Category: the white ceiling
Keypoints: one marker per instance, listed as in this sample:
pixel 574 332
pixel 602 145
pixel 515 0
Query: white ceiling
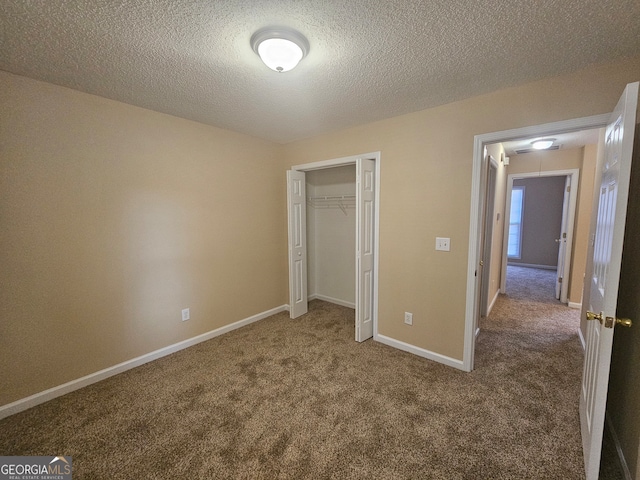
pixel 369 59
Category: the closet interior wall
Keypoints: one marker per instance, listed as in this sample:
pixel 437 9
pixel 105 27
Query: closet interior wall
pixel 331 234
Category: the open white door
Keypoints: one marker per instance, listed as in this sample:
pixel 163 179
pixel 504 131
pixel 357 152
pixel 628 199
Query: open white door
pixel 365 215
pixel 297 213
pixel 487 239
pixel 607 238
pixel 562 243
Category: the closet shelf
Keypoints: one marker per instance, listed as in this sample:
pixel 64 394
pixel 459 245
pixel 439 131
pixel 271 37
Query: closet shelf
pixel 333 201
pixel 334 197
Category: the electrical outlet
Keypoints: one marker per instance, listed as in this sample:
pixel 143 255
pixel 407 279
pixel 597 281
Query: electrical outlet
pixel 185 314
pixel 408 318
pixel 443 244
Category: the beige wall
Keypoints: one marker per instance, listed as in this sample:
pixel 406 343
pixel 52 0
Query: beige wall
pixel 582 223
pixel 114 218
pixel 584 160
pixel 546 161
pixel 426 166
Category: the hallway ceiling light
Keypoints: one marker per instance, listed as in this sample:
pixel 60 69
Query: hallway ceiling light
pixel 280 48
pixel 543 144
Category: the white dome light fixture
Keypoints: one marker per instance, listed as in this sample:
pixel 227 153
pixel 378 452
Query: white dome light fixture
pixel 543 144
pixel 280 48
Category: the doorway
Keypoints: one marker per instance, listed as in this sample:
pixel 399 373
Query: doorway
pixel 331 235
pixel 478 199
pixel 367 193
pixel 532 243
pixel 606 242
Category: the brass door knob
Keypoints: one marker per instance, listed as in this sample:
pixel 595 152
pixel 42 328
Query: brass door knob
pixel 609 323
pixel 595 316
pixel 625 322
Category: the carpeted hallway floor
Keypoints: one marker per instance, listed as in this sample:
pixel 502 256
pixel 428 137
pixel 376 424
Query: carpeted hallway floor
pixel 535 288
pixel 300 398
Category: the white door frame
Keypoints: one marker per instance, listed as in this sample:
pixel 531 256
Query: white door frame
pixel 574 173
pixel 478 192
pixel 351 160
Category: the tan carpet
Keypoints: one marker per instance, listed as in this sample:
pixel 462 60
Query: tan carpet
pixel 300 398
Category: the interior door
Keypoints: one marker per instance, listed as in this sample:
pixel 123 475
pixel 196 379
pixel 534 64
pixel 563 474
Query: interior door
pixel 562 241
pixel 478 303
pixel 365 215
pixel 487 239
pixel 297 228
pixel 607 238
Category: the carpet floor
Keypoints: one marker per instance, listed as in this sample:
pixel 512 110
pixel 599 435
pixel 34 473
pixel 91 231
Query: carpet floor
pixel 300 398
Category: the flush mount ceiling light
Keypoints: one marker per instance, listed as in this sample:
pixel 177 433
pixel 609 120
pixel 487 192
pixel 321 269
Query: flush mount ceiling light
pixel 280 48
pixel 543 144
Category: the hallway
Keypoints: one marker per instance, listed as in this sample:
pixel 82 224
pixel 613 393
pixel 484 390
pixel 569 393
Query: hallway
pixel 530 306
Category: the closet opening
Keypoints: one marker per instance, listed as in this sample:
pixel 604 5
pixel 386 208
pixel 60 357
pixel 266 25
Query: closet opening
pixel 333 217
pixel 331 235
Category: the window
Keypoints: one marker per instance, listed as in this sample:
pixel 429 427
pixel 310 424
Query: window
pixel 515 222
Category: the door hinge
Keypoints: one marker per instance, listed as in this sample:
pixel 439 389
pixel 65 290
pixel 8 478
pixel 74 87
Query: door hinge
pixel 559 279
pixel 569 188
pixel 564 235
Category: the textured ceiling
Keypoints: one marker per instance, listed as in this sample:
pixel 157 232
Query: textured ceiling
pixel 369 59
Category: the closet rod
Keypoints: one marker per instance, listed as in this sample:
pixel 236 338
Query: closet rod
pixel 334 197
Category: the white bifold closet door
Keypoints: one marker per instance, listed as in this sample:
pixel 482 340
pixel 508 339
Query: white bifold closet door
pixel 365 207
pixel 297 213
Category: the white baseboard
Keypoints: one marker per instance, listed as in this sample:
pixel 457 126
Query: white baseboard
pixel 616 441
pixel 436 357
pixel 575 305
pixel 582 340
pixel 337 301
pixel 51 393
pixel 493 302
pixel 533 265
